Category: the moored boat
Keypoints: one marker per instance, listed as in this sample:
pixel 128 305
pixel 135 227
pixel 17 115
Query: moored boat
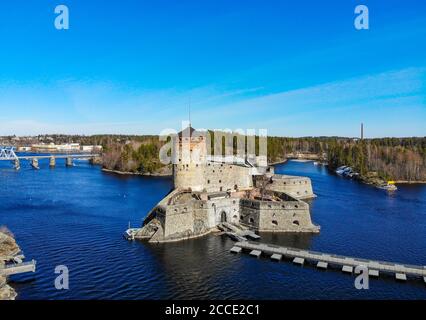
pixel 341 169
pixel 129 234
pixel 389 186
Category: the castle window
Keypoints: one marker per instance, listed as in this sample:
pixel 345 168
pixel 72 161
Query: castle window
pixel 235 187
pixel 241 217
pixel 196 165
pixel 275 222
pixel 208 181
pixel 220 181
pixel 221 189
pixel 251 220
pixel 296 223
pixel 235 217
pixel 296 206
pixel 234 202
pixel 269 206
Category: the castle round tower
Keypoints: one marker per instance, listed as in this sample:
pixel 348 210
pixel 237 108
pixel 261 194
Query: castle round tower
pixel 190 159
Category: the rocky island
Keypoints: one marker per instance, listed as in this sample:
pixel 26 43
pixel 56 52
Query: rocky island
pixel 211 192
pixel 11 262
pixel 8 248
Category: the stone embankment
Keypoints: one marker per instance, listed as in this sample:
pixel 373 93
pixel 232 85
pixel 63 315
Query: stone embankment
pixel 8 247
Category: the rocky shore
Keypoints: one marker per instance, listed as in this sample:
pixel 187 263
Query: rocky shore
pixel 371 178
pixel 162 172
pixel 8 248
pixel 277 162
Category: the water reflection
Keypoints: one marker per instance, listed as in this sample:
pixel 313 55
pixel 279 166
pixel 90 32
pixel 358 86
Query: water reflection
pixel 88 211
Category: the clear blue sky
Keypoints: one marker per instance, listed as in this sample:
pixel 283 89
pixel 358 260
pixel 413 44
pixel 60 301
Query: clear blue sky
pixel 295 68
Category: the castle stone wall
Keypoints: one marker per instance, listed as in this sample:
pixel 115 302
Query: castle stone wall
pixel 189 176
pixel 179 218
pixel 297 187
pixel 288 216
pixel 212 177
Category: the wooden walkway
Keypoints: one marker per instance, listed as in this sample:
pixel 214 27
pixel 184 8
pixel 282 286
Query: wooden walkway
pixel 322 260
pixel 15 268
pixel 237 233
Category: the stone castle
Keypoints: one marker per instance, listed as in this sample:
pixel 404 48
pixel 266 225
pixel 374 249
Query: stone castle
pixel 216 190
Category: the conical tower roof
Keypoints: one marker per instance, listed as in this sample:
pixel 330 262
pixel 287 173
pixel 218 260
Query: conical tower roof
pixel 187 132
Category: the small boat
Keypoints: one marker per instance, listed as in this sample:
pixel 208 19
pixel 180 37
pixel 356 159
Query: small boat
pixel 341 169
pixel 348 172
pixel 316 163
pixel 389 186
pixel 130 233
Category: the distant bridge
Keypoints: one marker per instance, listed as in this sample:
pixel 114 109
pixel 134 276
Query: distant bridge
pixel 7 153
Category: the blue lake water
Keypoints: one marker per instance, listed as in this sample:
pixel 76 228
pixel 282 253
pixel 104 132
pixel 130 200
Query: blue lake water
pixel 76 217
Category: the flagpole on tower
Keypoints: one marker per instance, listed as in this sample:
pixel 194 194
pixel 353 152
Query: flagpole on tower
pixel 189 111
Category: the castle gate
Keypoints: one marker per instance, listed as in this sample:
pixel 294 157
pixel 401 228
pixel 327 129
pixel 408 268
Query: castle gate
pixel 223 216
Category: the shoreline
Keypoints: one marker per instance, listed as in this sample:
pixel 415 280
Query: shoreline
pixel 55 152
pixel 379 181
pixel 410 182
pixel 8 247
pixel 128 173
pixel 361 179
pixel 278 162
